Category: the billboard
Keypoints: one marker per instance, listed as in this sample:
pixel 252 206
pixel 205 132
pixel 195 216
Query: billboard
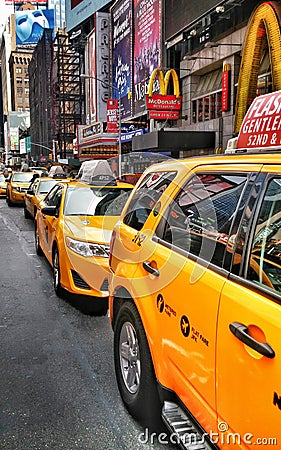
pixel 76 11
pixel 121 43
pixel 147 44
pixel 178 15
pixel 26 2
pixel 30 24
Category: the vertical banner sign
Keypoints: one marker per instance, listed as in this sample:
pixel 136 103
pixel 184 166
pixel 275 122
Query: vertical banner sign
pixel 91 82
pixel 112 116
pixel 98 69
pixel 121 37
pixel 147 45
pixel 102 63
pixel 225 85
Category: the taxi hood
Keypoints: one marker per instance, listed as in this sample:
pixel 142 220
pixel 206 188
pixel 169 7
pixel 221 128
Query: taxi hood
pixel 90 228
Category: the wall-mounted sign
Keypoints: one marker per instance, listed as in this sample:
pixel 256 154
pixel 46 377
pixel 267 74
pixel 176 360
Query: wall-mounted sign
pixel 261 124
pixel 91 130
pixel 225 85
pixel 162 106
pixel 112 115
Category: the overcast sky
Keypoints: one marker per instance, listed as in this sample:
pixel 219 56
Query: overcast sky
pixel 5 11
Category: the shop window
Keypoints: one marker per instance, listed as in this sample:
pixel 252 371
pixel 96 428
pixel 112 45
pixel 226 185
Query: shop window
pixel 194 111
pixel 206 108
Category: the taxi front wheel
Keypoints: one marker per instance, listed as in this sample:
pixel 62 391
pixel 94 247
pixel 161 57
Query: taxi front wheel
pixel 56 274
pixel 134 368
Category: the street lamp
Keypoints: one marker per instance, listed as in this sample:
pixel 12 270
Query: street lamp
pixel 84 76
pixel 52 150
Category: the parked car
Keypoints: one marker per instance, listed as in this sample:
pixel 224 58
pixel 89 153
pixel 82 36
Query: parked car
pixel 17 186
pixel 3 185
pixel 195 292
pixel 73 226
pixel 36 192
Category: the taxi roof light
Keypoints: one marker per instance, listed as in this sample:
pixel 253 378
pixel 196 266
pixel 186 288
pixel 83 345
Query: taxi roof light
pixel 97 171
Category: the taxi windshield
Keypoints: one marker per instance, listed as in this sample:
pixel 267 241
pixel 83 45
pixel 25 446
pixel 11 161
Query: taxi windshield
pixel 2 178
pixel 95 201
pixel 23 177
pixel 46 185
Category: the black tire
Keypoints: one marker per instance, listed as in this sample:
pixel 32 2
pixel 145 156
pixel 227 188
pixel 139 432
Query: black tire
pixel 9 200
pixel 96 306
pixel 38 248
pixel 26 213
pixel 137 386
pixel 56 274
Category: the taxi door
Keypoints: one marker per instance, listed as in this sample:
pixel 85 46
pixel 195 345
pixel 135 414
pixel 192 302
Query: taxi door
pixel 28 197
pixel 47 224
pixel 181 269
pixel 249 329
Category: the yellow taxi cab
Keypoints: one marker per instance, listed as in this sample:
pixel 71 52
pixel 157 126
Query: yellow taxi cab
pixel 195 293
pixel 36 192
pixel 17 186
pixel 73 226
pixel 3 185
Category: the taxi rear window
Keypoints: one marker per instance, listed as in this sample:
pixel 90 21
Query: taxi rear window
pixel 146 196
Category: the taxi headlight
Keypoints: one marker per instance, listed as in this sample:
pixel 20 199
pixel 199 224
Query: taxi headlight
pixel 87 249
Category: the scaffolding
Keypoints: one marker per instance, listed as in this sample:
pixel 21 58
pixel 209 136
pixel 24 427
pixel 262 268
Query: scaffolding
pixel 67 94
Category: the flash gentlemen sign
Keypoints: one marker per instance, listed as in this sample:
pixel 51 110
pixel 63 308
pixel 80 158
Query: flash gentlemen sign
pixel 261 126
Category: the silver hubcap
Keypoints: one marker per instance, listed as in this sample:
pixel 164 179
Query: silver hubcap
pixel 130 357
pixel 56 270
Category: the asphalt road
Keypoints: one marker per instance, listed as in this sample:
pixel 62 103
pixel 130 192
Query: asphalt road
pixel 57 381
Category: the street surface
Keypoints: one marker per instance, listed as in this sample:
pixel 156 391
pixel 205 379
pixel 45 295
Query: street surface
pixel 58 388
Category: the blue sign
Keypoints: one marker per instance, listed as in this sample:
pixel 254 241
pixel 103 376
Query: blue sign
pixel 30 24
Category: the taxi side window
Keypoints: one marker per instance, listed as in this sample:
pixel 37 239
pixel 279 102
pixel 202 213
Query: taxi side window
pixel 264 265
pixel 145 198
pixel 54 197
pixel 200 217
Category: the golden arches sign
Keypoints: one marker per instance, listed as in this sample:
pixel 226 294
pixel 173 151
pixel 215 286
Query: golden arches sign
pixel 263 29
pixel 164 81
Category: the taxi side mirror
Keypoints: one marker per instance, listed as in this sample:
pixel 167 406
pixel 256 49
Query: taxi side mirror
pixel 50 211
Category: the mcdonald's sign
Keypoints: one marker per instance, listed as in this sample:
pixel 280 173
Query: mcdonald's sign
pixel 263 28
pixel 163 106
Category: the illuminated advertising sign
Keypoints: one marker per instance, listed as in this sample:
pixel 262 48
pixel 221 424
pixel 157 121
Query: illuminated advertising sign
pixel 261 126
pixel 162 106
pixel 25 2
pixel 30 24
pixel 225 85
pixel 263 30
pixel 147 45
pixel 112 116
pixel 77 11
pixel 121 38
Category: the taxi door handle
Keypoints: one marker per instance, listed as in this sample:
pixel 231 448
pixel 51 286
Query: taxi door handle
pixel 241 332
pixel 148 267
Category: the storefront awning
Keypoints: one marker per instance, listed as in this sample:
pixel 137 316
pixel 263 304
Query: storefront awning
pixel 173 141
